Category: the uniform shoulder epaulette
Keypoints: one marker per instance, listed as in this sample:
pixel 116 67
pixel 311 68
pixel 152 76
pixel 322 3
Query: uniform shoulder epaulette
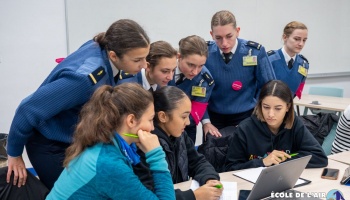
pixel 303 57
pixel 271 52
pixel 97 75
pixel 254 44
pixel 125 75
pixel 208 78
pixel 209 42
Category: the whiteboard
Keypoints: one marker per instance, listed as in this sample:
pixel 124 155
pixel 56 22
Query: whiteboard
pixel 260 20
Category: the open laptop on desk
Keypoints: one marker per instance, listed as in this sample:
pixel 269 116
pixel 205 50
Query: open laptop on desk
pixel 278 178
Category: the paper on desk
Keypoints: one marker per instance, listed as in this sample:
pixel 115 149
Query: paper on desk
pixel 252 175
pixel 229 193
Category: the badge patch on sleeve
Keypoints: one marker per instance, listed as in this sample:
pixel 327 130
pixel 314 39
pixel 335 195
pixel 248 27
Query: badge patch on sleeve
pixel 97 75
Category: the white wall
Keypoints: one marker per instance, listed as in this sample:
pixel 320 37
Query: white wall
pixel 32 36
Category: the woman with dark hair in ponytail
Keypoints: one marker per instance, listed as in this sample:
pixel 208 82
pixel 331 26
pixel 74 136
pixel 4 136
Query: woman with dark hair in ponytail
pixel 44 121
pixel 172 110
pixel 98 164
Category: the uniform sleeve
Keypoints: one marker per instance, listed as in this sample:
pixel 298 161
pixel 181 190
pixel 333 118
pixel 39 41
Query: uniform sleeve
pixel 306 144
pixel 237 157
pixel 198 167
pixel 69 90
pixel 199 104
pixel 264 72
pixel 122 183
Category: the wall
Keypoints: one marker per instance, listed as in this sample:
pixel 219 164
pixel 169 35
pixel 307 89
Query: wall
pixel 32 36
pixel 260 21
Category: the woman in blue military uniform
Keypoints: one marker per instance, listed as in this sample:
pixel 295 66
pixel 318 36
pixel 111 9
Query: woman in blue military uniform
pixel 194 79
pixel 289 65
pixel 44 122
pixel 161 64
pixel 239 67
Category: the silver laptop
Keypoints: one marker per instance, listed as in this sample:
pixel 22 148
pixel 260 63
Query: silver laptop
pixel 278 178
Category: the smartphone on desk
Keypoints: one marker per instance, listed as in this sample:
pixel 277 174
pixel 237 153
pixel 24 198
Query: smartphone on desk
pixel 329 173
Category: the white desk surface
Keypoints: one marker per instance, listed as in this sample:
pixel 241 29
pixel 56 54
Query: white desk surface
pixel 317 185
pixel 326 102
pixel 343 157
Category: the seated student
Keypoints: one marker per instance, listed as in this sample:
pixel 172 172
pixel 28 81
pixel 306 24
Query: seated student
pixel 272 133
pixel 342 135
pixel 161 64
pixel 98 165
pixel 289 65
pixel 172 109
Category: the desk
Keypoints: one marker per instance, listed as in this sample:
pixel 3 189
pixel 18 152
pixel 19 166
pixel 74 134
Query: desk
pixel 317 185
pixel 343 157
pixel 326 102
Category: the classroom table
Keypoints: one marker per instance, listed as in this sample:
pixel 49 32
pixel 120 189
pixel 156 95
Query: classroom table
pixel 317 185
pixel 343 157
pixel 325 102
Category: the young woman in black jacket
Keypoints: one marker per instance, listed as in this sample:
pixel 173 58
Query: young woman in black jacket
pixel 272 133
pixel 172 109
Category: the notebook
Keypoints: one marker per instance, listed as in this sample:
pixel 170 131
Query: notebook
pixel 278 178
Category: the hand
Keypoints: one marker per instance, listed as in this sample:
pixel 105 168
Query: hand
pixel 19 169
pixel 275 157
pixel 209 191
pixel 211 129
pixel 147 141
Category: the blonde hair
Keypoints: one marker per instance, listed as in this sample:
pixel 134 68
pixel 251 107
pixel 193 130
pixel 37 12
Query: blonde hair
pixel 223 18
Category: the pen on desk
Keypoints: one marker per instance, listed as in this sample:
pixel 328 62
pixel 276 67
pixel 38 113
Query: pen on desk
pixel 131 135
pixel 219 186
pixel 293 154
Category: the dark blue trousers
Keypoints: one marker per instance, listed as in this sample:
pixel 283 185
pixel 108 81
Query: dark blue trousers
pixel 47 157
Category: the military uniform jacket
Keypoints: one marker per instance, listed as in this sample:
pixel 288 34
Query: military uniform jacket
pixel 199 90
pixel 296 76
pixel 54 107
pixel 237 86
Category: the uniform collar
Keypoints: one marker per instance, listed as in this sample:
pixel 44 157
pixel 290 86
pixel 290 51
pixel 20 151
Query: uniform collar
pixel 286 56
pixel 233 50
pixel 145 83
pixel 115 70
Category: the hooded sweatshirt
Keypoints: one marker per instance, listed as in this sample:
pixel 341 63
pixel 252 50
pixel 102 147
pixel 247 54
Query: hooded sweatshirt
pixel 253 141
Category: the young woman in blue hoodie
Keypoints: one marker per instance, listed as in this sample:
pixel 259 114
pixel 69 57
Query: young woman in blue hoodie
pixel 98 165
pixel 272 133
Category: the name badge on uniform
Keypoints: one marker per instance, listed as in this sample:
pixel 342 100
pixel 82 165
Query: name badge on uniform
pixel 250 60
pixel 198 91
pixel 302 70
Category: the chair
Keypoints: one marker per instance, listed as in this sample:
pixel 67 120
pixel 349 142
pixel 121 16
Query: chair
pixel 324 91
pixel 328 140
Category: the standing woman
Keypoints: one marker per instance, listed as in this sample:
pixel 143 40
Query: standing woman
pixel 44 122
pixel 272 133
pixel 194 79
pixel 289 65
pixel 161 64
pixel 239 67
pixel 98 164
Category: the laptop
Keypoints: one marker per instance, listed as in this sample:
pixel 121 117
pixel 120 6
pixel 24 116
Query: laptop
pixel 278 178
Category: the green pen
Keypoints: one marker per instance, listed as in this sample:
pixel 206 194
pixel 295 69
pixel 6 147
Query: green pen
pixel 131 135
pixel 293 154
pixel 219 186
